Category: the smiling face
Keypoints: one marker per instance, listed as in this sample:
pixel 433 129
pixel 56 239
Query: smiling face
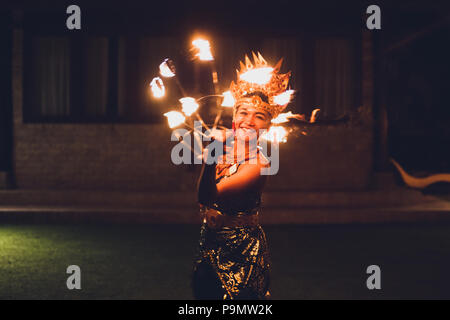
pixel 249 120
pixel 249 117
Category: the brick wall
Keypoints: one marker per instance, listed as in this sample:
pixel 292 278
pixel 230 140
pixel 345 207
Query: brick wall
pixel 137 157
pixel 132 157
pixel 328 158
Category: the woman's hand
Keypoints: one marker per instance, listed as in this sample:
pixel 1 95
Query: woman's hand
pixel 218 141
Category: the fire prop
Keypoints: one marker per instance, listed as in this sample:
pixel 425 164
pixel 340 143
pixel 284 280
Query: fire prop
pixel 258 74
pixel 204 49
pixel 157 87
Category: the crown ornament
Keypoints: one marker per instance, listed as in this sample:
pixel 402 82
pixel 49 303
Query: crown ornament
pixel 258 84
pixel 261 85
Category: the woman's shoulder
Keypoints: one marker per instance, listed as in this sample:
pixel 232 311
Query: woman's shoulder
pixel 254 170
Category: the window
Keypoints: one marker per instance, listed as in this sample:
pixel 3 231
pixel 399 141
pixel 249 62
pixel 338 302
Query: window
pixel 336 86
pixel 50 86
pixel 68 79
pixel 138 62
pixel 104 78
pixel 93 78
pixel 325 70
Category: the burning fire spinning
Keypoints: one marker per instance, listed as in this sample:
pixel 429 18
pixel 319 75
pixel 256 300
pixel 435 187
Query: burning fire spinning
pixel 257 83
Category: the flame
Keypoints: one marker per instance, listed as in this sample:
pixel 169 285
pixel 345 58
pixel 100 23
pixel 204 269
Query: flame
pixel 283 98
pixel 259 76
pixel 204 49
pixel 314 115
pixel 165 70
pixel 228 99
pixel 276 134
pixel 189 105
pixel 157 86
pixel 284 117
pixel 175 118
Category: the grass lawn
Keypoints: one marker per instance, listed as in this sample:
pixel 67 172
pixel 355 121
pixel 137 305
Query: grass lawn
pixel 154 261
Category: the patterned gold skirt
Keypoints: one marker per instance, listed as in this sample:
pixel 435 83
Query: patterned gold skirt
pixel 232 263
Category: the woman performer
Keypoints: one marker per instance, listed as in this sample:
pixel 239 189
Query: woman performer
pixel 233 259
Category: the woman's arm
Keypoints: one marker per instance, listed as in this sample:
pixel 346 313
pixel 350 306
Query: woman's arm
pixel 207 190
pixel 206 186
pixel 247 178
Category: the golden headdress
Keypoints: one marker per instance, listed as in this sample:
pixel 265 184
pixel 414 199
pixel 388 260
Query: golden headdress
pixel 261 85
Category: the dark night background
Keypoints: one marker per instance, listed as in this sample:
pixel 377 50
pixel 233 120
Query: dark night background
pixel 410 64
pixel 82 141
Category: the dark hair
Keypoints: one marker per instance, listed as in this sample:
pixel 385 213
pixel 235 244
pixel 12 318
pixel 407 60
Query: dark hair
pixel 259 94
